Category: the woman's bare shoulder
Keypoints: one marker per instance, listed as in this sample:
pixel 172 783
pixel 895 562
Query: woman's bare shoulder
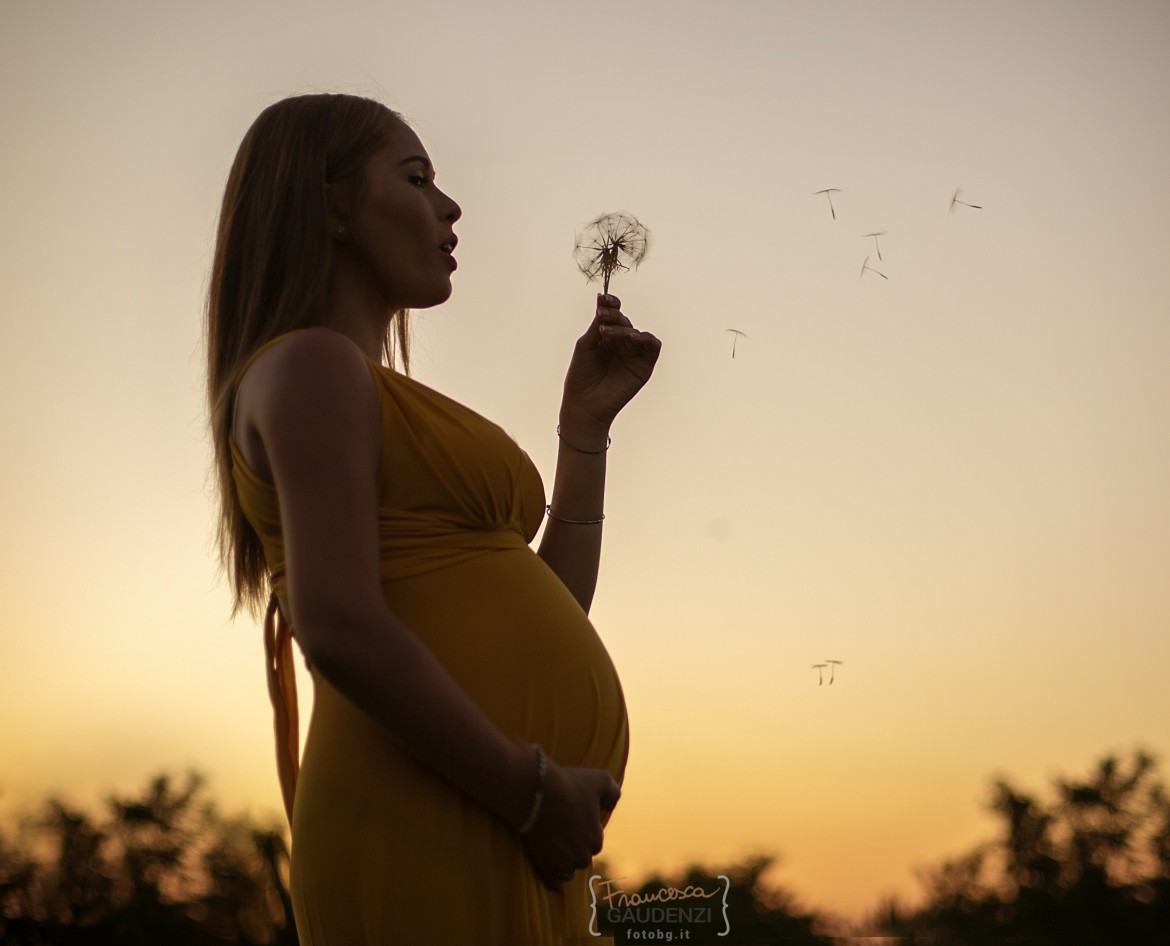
pixel 307 352
pixel 315 365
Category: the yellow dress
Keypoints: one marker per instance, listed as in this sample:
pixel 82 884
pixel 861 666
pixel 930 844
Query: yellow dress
pixel 383 851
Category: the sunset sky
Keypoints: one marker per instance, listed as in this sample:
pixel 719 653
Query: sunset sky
pixel 953 479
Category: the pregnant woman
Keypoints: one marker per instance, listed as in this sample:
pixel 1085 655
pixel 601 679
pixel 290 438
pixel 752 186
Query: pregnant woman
pixel 469 734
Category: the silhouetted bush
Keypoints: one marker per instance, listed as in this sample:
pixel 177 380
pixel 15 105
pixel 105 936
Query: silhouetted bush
pixel 1091 867
pixel 163 867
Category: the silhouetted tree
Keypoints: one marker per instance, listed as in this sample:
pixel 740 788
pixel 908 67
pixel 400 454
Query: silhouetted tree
pixel 159 867
pixel 1090 867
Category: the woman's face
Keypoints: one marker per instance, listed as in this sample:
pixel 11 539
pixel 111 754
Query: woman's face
pixel 401 229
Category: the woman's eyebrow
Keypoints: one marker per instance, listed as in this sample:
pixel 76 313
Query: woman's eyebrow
pixel 420 159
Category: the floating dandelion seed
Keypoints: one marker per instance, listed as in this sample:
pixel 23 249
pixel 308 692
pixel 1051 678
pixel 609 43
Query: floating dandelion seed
pixel 820 669
pixel 865 267
pixel 875 236
pixel 609 243
pixel 738 335
pixel 955 200
pixel 833 668
pixel 829 192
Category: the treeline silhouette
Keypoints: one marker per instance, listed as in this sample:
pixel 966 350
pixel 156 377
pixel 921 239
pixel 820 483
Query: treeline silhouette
pixel 163 868
pixel 1090 865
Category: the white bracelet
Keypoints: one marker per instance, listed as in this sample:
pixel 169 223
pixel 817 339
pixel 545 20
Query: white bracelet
pixel 541 768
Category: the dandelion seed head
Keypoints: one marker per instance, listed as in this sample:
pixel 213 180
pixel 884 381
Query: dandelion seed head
pixel 612 242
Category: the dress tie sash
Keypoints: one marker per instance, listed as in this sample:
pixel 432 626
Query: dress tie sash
pixel 282 691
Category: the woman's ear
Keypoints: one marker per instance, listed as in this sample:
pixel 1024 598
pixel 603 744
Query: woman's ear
pixel 336 211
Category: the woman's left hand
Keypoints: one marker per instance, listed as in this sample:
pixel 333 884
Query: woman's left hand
pixel 611 362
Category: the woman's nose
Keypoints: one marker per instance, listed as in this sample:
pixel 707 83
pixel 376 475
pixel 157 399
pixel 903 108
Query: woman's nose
pixel 453 211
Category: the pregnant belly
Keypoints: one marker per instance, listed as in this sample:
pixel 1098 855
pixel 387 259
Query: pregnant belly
pixel 517 641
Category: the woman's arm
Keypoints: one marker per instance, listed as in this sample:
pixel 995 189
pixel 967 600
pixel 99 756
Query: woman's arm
pixel 572 549
pixel 611 362
pixel 315 410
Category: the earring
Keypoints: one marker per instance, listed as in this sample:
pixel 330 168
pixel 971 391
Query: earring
pixel 341 233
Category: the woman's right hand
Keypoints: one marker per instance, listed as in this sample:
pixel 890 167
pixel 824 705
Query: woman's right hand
pixel 569 828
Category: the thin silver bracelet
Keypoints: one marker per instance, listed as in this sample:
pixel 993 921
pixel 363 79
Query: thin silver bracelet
pixel 575 522
pixel 594 453
pixel 541 768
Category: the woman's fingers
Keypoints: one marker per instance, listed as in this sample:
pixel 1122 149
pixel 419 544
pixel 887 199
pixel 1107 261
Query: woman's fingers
pixel 609 311
pixel 555 877
pixel 627 340
pixel 612 317
pixel 624 333
pixel 573 833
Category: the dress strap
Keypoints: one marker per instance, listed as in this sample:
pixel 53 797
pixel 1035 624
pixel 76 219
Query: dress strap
pixel 282 691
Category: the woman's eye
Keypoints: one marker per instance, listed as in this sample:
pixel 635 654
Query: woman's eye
pixel 419 181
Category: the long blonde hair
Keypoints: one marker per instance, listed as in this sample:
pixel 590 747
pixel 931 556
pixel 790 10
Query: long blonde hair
pixel 270 273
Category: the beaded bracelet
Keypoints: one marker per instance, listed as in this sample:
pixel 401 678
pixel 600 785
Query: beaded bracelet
pixel 575 522
pixel 541 768
pixel 608 441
